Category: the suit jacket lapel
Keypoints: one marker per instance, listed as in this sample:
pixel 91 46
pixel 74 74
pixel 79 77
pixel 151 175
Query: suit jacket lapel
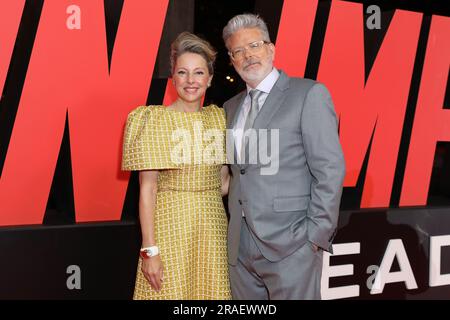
pixel 232 116
pixel 273 102
pixel 235 109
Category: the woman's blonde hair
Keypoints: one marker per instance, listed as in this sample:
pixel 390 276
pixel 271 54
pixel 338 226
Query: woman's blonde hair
pixel 188 42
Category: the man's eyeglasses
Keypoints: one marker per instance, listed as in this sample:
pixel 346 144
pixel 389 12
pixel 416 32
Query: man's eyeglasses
pixel 254 47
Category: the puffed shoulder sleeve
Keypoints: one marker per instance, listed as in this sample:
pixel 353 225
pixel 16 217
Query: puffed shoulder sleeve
pixel 147 140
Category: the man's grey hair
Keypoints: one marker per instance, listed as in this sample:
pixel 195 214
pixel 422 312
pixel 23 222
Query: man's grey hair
pixel 243 21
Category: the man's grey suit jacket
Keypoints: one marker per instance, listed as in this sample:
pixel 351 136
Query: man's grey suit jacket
pixel 300 202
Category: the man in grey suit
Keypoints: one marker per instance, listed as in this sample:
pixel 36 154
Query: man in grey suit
pixel 280 220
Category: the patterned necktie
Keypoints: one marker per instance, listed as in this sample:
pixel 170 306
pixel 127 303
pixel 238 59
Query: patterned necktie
pixel 251 116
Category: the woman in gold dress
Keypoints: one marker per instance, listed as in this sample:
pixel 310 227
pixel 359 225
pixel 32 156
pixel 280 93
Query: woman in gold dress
pixel 179 151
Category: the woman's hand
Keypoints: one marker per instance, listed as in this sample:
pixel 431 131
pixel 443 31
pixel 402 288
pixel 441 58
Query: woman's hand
pixel 152 269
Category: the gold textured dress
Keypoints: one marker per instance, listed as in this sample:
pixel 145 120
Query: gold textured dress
pixel 190 219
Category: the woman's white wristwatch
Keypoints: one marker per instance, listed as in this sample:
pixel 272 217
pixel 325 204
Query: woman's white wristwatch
pixel 149 252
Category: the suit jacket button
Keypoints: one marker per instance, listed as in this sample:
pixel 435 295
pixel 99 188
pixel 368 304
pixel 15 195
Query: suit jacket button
pixel 240 201
pixel 242 171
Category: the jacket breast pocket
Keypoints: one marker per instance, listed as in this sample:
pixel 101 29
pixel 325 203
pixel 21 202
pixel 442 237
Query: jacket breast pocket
pixel 290 204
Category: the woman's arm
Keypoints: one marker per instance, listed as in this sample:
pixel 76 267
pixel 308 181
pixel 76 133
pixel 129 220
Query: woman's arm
pixel 152 267
pixel 225 177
